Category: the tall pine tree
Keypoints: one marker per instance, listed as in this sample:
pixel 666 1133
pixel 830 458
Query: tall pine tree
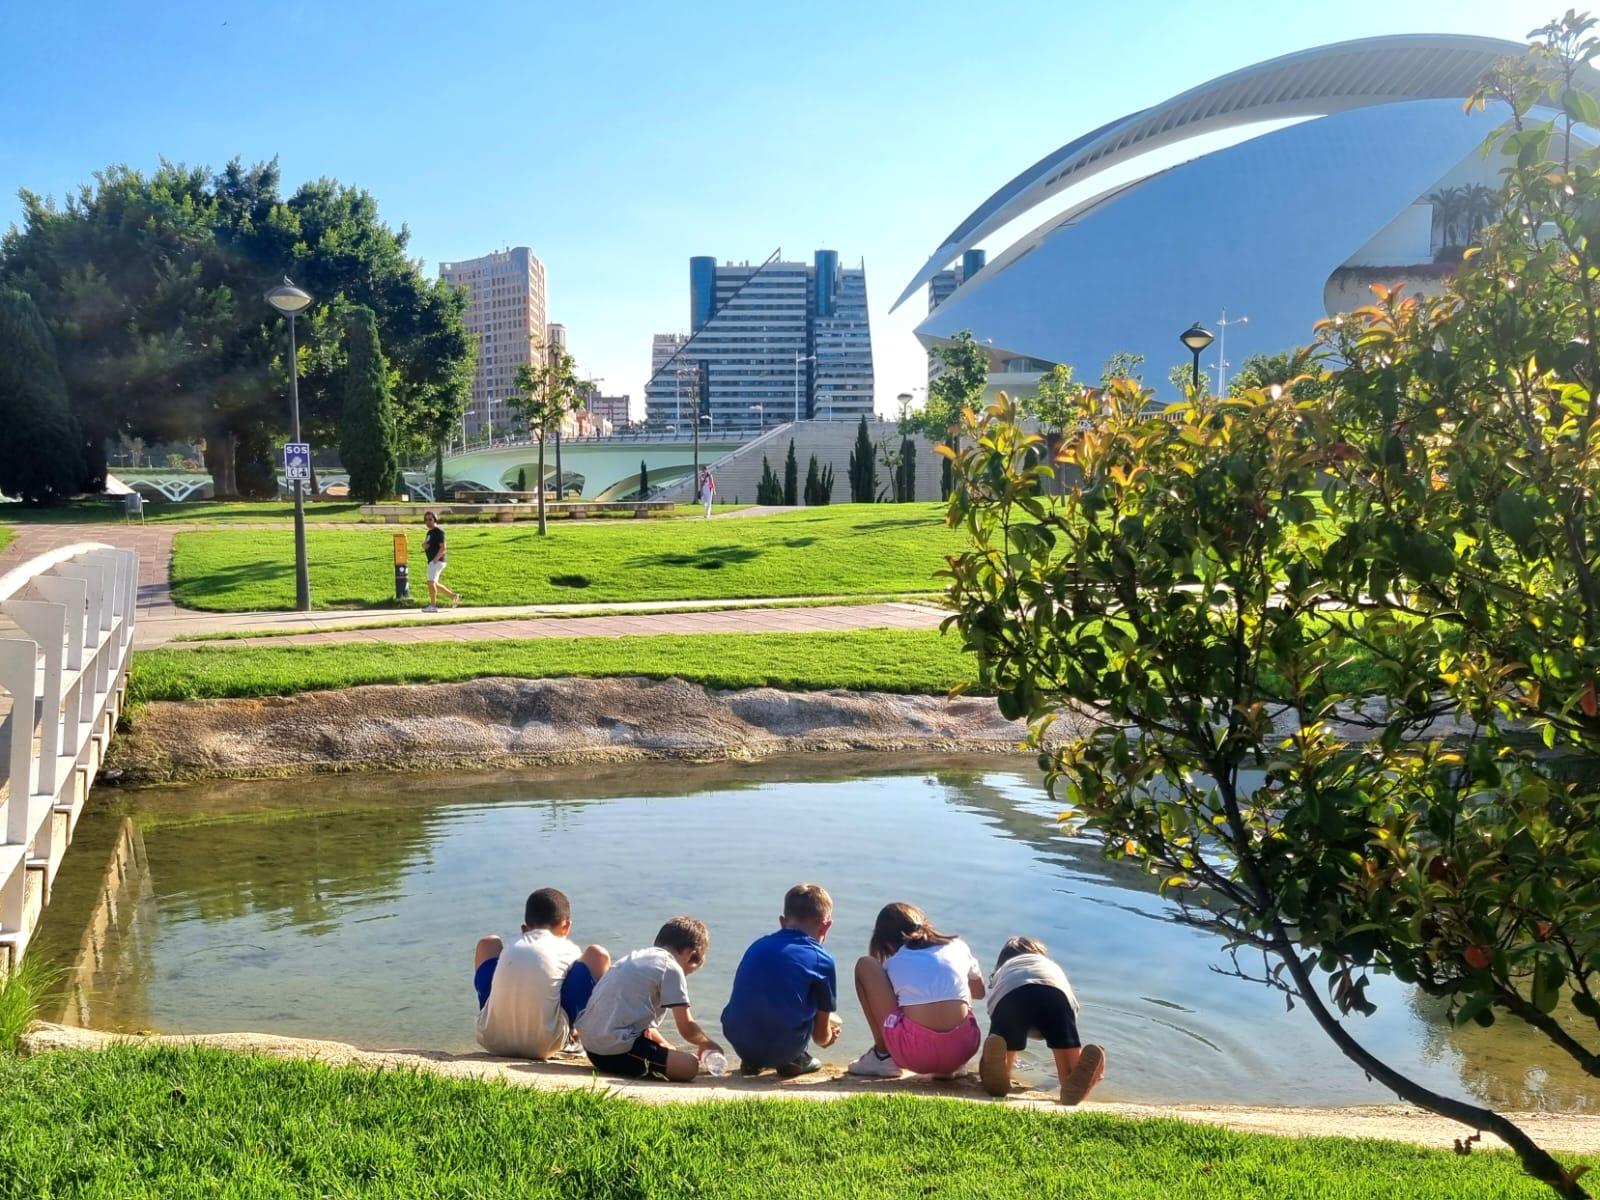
pixel 791 478
pixel 368 441
pixel 863 468
pixel 813 483
pixel 41 460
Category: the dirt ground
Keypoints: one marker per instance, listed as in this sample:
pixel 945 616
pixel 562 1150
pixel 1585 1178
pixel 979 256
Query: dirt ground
pixel 1392 1122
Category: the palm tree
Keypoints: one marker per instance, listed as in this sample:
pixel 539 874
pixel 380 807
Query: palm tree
pixel 1449 206
pixel 1480 205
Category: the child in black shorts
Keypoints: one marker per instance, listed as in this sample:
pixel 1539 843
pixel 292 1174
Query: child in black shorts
pixel 1030 996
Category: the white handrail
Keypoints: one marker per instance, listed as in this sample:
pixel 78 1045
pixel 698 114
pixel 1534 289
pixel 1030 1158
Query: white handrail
pixel 65 671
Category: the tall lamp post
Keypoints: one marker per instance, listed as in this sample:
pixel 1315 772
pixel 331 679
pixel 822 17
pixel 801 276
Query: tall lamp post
pixel 1222 349
pixel 1197 337
pixel 798 359
pixel 291 301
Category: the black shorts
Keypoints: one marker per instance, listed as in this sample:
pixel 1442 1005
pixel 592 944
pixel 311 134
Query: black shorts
pixel 642 1060
pixel 1037 1009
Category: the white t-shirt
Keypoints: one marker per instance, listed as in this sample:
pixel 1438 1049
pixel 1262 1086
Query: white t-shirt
pixel 630 998
pixel 1023 970
pixel 523 1018
pixel 932 973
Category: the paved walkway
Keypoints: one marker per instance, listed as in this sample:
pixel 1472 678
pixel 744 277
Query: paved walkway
pixel 153 542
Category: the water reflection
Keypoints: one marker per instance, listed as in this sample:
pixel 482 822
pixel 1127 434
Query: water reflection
pixel 347 908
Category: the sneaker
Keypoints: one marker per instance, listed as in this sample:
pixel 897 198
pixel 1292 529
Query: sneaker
pixel 876 1064
pixel 433 608
pixel 994 1068
pixel 455 601
pixel 803 1065
pixel 1091 1067
pixel 749 1070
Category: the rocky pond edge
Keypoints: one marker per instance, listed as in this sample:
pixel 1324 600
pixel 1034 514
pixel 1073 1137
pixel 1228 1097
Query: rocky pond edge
pixel 504 722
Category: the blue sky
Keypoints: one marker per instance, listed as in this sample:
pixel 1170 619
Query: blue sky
pixel 619 139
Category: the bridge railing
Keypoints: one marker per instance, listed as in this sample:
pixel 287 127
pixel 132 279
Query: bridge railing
pixel 66 638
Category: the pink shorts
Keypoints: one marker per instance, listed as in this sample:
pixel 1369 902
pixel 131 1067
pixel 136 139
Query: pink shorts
pixel 923 1051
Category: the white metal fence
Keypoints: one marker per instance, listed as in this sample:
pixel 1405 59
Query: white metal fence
pixel 66 637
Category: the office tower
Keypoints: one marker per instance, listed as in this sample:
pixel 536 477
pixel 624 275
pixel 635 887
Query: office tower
pixel 768 342
pixel 506 313
pixel 943 285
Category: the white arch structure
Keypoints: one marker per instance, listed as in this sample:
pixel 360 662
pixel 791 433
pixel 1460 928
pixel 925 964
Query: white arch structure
pixel 66 638
pixel 1130 263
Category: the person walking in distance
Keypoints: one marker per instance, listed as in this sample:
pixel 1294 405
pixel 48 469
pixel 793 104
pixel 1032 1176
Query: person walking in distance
pixel 433 549
pixel 708 489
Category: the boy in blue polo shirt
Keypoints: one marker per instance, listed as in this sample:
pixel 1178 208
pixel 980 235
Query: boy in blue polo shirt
pixel 784 993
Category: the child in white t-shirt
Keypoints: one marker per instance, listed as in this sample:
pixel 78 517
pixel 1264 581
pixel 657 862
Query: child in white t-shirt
pixel 531 992
pixel 1030 996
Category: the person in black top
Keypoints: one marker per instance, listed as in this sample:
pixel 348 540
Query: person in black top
pixel 433 548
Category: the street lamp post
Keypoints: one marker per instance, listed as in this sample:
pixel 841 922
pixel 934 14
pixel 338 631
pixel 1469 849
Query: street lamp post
pixel 1222 349
pixel 1197 337
pixel 291 301
pixel 798 359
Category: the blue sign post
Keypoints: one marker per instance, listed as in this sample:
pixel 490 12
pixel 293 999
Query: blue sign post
pixel 297 462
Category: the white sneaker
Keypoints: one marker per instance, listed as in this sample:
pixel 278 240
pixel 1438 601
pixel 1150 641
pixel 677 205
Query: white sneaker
pixel 433 608
pixel 875 1064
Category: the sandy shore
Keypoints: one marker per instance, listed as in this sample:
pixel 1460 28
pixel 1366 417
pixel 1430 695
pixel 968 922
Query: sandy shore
pixel 1570 1134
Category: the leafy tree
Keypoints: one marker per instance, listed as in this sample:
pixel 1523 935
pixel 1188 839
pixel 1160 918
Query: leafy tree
pixel 791 478
pixel 1298 367
pixel 1194 602
pixel 1122 365
pixel 547 389
pixel 522 478
pixel 813 483
pixel 863 467
pixel 963 376
pixel 367 433
pixel 40 457
pixel 1055 403
pixel 644 480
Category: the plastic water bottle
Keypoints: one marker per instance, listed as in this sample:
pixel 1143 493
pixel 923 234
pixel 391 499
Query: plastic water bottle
pixel 714 1063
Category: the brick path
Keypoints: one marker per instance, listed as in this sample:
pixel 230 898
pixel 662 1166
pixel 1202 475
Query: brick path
pixel 153 542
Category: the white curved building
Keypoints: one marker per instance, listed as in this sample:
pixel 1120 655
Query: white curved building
pixel 1287 226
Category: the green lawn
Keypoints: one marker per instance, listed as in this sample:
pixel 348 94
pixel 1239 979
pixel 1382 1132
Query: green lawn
pixel 889 660
pixel 168 1122
pixel 839 550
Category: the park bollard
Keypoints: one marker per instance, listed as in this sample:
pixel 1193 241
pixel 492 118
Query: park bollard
pixel 402 572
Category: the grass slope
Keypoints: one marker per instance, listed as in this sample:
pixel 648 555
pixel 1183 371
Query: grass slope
pixel 838 550
pixel 889 660
pixel 145 1122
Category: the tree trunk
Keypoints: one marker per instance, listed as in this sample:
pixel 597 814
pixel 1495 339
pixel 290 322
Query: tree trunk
pixel 543 531
pixel 220 450
pixel 315 489
pixel 438 472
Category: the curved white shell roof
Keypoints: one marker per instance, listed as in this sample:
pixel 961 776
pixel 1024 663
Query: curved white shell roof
pixel 1308 83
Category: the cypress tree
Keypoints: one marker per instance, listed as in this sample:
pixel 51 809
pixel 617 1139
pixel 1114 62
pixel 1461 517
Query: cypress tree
pixel 769 491
pixel 791 478
pixel 825 485
pixel 863 468
pixel 522 479
pixel 644 480
pixel 368 440
pixel 812 483
pixel 41 459
pixel 908 470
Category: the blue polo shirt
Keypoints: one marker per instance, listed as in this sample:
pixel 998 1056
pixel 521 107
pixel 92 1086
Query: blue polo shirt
pixel 784 980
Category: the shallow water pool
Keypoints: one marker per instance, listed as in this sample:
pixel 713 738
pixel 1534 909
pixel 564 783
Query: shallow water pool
pixel 347 908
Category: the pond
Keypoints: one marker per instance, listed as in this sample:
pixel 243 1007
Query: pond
pixel 347 908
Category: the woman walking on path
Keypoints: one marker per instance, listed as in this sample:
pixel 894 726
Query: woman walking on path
pixel 433 549
pixel 708 489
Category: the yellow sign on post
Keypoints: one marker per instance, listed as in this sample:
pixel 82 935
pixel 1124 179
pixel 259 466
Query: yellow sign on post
pixel 400 550
pixel 402 572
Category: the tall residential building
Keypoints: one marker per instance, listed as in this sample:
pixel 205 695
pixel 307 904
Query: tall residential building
pixel 768 342
pixel 506 312
pixel 610 408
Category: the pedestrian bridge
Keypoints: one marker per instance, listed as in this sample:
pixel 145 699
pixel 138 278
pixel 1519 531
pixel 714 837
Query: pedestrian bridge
pixel 598 468
pixel 66 638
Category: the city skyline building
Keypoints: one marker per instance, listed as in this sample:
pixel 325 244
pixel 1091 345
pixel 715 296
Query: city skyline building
pixel 943 285
pixel 506 307
pixel 614 409
pixel 769 342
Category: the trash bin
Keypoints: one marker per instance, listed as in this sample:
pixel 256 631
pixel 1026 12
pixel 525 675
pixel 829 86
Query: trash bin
pixel 402 571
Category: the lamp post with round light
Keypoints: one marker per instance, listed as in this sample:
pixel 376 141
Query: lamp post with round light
pixel 291 301
pixel 1197 337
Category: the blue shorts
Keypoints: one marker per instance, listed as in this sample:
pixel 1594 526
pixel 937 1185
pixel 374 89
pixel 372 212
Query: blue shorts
pixel 576 988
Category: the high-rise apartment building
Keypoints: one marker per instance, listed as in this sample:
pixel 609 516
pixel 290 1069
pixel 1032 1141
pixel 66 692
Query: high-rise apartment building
pixel 610 408
pixel 506 312
pixel 768 343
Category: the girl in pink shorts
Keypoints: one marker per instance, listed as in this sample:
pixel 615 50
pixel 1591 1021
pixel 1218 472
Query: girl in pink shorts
pixel 916 987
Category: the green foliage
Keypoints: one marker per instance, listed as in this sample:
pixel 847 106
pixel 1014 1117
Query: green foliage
pixel 1298 368
pixel 769 491
pixel 863 468
pixel 1057 400
pixel 522 478
pixel 23 993
pixel 41 461
pixel 367 431
pixel 644 480
pixel 813 483
pixel 547 390
pixel 791 478
pixel 1432 502
pixel 1122 365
